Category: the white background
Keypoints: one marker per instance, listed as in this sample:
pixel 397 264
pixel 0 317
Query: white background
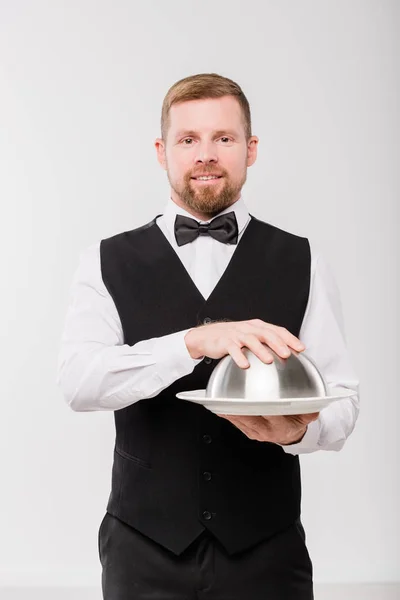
pixel 81 88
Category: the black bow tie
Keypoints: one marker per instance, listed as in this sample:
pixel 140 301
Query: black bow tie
pixel 223 228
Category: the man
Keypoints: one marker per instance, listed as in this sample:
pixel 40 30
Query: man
pixel 203 506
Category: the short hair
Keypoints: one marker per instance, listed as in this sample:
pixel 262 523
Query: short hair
pixel 204 86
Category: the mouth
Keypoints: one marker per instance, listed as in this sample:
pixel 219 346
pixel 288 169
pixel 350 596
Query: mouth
pixel 206 178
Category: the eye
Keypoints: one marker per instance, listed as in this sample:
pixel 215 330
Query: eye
pixel 185 140
pixel 226 138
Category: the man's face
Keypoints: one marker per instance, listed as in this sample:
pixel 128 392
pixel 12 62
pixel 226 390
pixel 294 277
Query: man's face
pixel 206 137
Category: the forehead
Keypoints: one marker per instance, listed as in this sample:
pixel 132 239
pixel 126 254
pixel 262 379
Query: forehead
pixel 206 115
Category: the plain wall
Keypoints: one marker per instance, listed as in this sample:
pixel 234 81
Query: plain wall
pixel 81 88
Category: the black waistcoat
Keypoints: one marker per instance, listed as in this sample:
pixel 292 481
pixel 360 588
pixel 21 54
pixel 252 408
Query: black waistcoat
pixel 178 468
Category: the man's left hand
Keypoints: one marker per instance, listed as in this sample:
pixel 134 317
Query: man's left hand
pixel 276 429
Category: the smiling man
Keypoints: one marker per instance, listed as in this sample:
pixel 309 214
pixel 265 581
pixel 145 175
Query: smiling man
pixel 206 164
pixel 203 507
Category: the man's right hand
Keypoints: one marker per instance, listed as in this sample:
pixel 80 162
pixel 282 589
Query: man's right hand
pixel 219 339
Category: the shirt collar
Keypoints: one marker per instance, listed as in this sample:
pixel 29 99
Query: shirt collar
pixel 171 210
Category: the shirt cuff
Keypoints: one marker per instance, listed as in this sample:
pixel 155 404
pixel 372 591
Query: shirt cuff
pixel 173 358
pixel 309 443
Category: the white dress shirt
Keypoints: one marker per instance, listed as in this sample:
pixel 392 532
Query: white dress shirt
pixel 97 371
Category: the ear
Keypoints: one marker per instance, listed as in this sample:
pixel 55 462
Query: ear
pixel 252 150
pixel 160 149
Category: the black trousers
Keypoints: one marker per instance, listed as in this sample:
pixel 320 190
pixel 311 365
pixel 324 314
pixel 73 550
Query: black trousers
pixel 136 568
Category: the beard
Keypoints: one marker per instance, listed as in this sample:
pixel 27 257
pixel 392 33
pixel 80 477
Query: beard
pixel 207 199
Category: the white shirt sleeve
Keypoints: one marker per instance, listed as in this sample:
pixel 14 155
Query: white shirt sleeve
pixel 323 335
pixel 96 370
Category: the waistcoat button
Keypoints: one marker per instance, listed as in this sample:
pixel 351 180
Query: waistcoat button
pixel 208 360
pixel 207 439
pixel 207 475
pixel 207 515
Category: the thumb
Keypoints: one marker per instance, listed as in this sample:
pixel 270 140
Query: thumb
pixel 309 417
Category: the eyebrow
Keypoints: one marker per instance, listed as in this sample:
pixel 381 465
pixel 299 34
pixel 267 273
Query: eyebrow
pixel 191 132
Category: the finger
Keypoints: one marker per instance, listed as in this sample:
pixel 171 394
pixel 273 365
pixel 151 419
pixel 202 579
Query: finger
pixel 271 338
pixel 259 426
pixel 238 356
pixel 287 338
pixel 290 339
pixel 245 424
pixel 232 418
pixel 277 343
pixel 253 343
pixel 308 418
pixel 250 433
pixel 250 341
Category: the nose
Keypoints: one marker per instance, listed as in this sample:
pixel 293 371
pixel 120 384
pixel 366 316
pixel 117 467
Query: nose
pixel 206 153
